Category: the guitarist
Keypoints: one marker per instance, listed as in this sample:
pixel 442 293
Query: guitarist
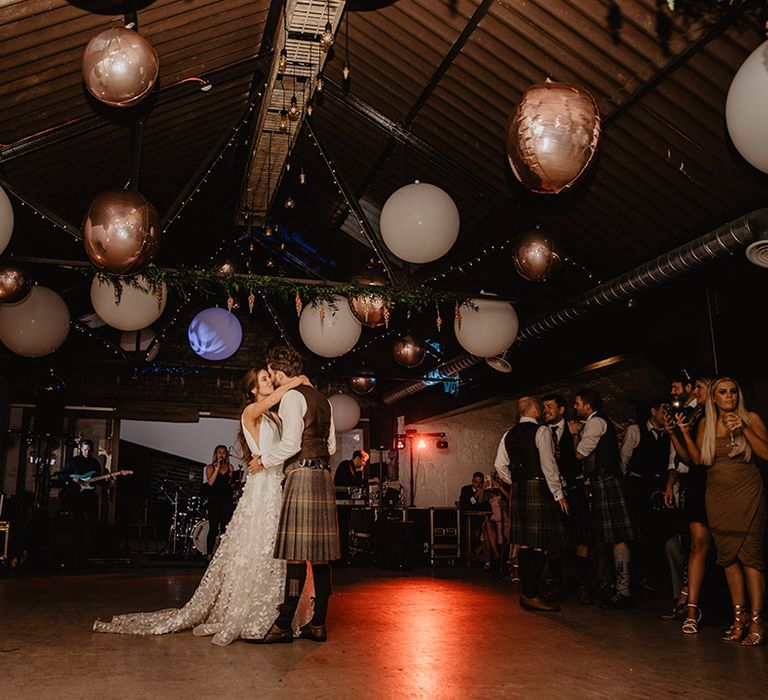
pixel 83 503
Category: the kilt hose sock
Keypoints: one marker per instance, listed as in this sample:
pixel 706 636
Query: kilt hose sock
pixel 322 576
pixel 295 577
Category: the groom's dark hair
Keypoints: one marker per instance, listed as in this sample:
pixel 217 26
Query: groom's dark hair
pixel 281 358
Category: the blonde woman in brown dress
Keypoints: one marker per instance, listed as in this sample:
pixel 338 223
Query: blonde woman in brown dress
pixel 728 440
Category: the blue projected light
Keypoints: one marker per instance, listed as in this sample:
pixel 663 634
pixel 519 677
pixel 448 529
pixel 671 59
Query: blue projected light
pixel 215 334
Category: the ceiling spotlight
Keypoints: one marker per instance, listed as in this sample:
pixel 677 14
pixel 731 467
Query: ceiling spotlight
pixel 326 38
pixel 293 111
pixel 283 62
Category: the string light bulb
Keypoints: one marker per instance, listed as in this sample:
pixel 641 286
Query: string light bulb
pixel 289 202
pixel 293 111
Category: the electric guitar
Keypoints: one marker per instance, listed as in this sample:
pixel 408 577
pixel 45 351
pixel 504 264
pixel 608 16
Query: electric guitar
pixel 84 481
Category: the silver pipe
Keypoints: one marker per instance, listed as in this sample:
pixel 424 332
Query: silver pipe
pixel 716 244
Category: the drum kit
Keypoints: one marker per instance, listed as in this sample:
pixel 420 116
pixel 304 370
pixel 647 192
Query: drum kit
pixel 188 533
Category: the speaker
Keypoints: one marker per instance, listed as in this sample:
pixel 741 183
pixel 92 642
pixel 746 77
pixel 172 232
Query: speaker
pixel 394 544
pixel 382 427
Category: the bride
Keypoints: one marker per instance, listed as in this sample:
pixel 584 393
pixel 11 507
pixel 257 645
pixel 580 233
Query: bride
pixel 243 585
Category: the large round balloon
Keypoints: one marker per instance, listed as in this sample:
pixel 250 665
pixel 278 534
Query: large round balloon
pixel 419 223
pixel 215 334
pixel 15 283
pixel 409 351
pixel 6 220
pixel 362 385
pixel 536 256
pixel 35 326
pixel 552 136
pixel 487 330
pixel 346 412
pixel 138 308
pixel 139 341
pixel 746 109
pixel 120 67
pixel 328 331
pixel 121 232
pixel 370 309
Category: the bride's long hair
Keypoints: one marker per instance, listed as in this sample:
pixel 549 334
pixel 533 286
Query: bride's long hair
pixel 250 382
pixel 741 446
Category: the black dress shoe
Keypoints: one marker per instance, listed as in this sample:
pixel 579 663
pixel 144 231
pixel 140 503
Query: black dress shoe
pixel 316 633
pixel 537 604
pixel 275 635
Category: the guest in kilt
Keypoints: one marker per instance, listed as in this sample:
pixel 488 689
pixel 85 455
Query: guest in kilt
pixel 537 499
pixel 308 532
pixel 597 447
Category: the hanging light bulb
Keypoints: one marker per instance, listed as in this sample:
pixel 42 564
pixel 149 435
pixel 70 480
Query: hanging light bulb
pixel 302 176
pixel 346 70
pixel 270 263
pixel 289 203
pixel 268 231
pixel 282 64
pixel 283 126
pixel 319 87
pixel 309 109
pixel 326 38
pixel 293 111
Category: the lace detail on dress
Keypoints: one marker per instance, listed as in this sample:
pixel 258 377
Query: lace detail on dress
pixel 243 584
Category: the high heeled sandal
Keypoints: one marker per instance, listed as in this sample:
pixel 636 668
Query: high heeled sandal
pixel 736 632
pixel 754 638
pixel 691 624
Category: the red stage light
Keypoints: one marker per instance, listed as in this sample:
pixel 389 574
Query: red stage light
pixel 400 444
pixel 421 444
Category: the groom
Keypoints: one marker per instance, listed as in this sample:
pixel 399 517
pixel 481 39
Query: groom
pixel 307 532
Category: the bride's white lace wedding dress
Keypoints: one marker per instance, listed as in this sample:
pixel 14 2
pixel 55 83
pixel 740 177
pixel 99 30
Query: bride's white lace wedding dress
pixel 243 585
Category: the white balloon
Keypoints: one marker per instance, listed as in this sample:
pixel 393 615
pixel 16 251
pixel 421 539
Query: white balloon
pixel 333 333
pixel 6 220
pixel 215 334
pixel 419 222
pixel 137 308
pixel 35 326
pixel 346 412
pixel 130 339
pixel 487 330
pixel 746 108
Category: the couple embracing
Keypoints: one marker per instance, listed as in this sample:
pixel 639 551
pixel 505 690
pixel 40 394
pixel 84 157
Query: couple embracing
pixel 277 547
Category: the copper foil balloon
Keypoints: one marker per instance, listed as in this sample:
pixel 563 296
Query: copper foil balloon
pixel 15 284
pixel 121 232
pixel 409 351
pixel 536 256
pixel 552 136
pixel 362 385
pixel 369 310
pixel 120 67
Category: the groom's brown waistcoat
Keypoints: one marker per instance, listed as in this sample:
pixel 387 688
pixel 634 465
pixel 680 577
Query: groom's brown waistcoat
pixel 317 424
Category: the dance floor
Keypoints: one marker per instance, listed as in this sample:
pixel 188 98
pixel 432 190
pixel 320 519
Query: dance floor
pixel 445 633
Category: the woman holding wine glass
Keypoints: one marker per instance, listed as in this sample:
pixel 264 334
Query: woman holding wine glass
pixel 726 444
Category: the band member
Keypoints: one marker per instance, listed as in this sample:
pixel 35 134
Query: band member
pixel 83 502
pixel 219 476
pixel 349 474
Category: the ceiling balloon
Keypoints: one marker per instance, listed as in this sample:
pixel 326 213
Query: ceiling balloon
pixel 121 232
pixel 419 222
pixel 370 310
pixel 139 306
pixel 329 331
pixel 35 326
pixel 346 412
pixel 362 385
pixel 409 351
pixel 536 256
pixel 15 283
pixel 215 334
pixel 6 220
pixel 746 109
pixel 120 67
pixel 488 329
pixel 552 136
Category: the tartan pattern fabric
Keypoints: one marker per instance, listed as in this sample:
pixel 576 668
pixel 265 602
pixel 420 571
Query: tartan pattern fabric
pixel 610 515
pixel 308 530
pixel 578 522
pixel 535 516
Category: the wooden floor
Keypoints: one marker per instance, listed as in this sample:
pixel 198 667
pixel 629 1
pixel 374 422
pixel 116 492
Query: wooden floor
pixel 441 633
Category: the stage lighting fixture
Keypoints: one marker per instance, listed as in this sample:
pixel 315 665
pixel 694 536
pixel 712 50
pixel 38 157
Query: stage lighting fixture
pixel 400 444
pixel 441 444
pixel 421 444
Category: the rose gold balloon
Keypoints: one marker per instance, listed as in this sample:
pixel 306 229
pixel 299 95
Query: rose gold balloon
pixel 552 136
pixel 362 385
pixel 121 232
pixel 120 67
pixel 369 309
pixel 15 284
pixel 409 351
pixel 536 256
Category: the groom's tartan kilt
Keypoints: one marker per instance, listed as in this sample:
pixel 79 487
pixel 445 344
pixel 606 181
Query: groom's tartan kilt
pixel 308 530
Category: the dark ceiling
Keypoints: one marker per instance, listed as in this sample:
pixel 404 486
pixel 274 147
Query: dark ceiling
pixel 433 85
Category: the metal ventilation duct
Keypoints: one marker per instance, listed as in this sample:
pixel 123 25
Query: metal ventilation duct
pixel 716 244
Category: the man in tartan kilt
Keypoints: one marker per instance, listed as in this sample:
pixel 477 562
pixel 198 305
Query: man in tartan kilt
pixel 597 446
pixel 537 498
pixel 308 532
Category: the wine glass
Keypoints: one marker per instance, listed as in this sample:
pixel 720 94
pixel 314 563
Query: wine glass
pixel 731 439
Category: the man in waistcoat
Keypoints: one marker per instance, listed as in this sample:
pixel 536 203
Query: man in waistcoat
pixel 308 532
pixel 537 498
pixel 578 521
pixel 597 446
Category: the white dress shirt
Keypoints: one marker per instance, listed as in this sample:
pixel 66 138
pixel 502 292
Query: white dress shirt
pixel 546 450
pixel 632 440
pixel 594 428
pixel 293 408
